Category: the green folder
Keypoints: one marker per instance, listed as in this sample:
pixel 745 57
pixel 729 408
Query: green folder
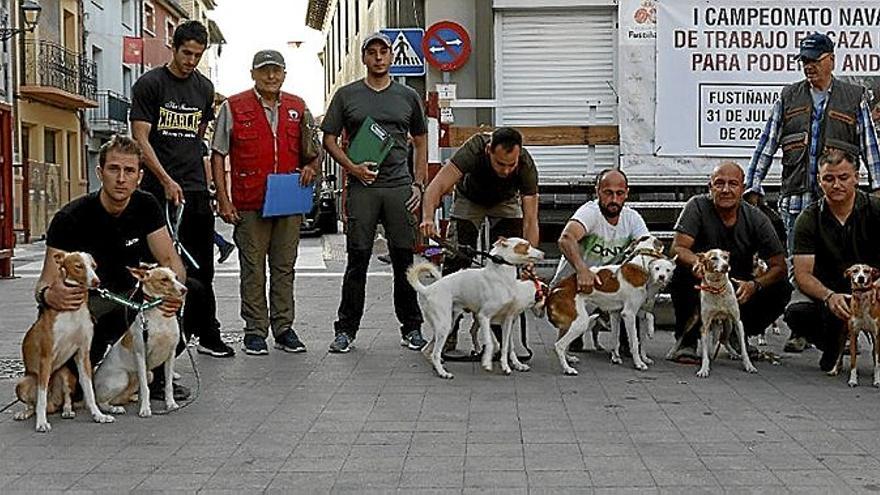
pixel 371 143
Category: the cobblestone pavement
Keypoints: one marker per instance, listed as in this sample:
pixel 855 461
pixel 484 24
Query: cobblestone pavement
pixel 377 419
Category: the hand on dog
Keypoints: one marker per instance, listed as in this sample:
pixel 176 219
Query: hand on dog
pixel 839 305
pixel 745 289
pixel 697 270
pixel 62 297
pixel 170 306
pixel 428 229
pixel 586 279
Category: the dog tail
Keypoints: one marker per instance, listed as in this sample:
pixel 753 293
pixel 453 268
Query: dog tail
pixel 415 271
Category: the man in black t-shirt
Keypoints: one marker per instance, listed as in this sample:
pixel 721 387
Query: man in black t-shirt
pixel 171 107
pixel 120 227
pixel 721 219
pixel 494 178
pixel 831 235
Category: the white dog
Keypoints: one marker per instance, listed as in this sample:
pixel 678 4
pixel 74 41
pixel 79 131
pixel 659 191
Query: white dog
pixel 718 308
pixel 125 368
pixel 485 292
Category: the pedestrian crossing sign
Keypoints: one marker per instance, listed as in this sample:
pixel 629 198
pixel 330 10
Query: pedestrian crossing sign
pixel 406 51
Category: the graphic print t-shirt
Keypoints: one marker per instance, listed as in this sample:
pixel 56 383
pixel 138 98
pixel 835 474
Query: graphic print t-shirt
pixel 175 108
pixel 603 241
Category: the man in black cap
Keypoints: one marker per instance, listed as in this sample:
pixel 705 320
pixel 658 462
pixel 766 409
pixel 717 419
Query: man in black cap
pixel 379 192
pixel 261 131
pixel 816 113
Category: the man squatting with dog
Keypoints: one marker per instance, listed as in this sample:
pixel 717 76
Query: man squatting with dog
pixel 495 178
pixel 260 130
pixel 120 226
pixel 721 219
pixel 379 192
pixel 170 109
pixel 597 234
pixel 831 235
pixel 811 115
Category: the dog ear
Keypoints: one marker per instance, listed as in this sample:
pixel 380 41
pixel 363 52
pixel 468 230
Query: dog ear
pixel 139 273
pixel 501 241
pixel 848 272
pixel 875 273
pixel 674 259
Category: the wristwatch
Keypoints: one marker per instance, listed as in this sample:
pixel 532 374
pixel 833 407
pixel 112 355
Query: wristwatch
pixel 420 186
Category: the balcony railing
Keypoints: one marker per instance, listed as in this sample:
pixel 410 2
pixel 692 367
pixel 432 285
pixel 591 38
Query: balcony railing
pixel 111 115
pixel 58 76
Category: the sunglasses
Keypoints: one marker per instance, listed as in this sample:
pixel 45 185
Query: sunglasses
pixel 808 61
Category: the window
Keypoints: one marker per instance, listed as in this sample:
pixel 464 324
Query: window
pixel 149 18
pixel 357 16
pixel 346 22
pixel 98 59
pixel 126 13
pixel 338 29
pixel 126 81
pixel 50 137
pixel 169 32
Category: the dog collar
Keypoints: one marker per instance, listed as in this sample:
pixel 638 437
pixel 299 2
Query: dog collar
pixel 710 289
pixel 862 289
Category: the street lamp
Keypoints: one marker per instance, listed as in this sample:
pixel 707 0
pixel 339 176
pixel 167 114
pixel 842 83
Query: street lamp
pixel 30 16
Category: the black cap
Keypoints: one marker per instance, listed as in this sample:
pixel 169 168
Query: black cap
pixel 814 46
pixel 377 36
pixel 268 57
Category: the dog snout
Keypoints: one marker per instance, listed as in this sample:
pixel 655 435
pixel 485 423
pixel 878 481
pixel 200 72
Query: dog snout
pixel 183 290
pixel 96 282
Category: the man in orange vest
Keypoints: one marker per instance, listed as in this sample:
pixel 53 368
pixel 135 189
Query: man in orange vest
pixel 260 130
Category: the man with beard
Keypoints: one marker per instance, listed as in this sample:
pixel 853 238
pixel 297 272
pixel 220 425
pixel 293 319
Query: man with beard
pixel 721 219
pixel 597 234
pixel 812 115
pixel 379 192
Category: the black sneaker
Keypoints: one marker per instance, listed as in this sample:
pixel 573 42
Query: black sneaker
pixel 413 340
pixel 215 348
pixel 225 251
pixel 341 344
pixel 289 342
pixel 157 391
pixel 254 345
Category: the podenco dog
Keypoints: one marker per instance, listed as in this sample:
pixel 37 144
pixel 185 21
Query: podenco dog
pixel 619 289
pixel 485 292
pixel 864 317
pixel 129 360
pixel 718 307
pixel 51 341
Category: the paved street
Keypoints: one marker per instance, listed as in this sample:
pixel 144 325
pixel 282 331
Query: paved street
pixel 378 419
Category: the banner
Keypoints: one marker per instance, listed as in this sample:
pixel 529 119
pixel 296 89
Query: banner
pixel 132 50
pixel 721 65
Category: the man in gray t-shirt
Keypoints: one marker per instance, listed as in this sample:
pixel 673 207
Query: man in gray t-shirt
pixel 379 192
pixel 721 219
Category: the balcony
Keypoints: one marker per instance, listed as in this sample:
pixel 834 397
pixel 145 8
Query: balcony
pixel 54 75
pixel 111 115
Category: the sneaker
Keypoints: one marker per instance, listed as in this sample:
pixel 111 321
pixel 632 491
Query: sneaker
pixel 289 342
pixel 828 361
pixel 341 344
pixel 157 391
pixel 214 348
pixel 225 251
pixel 254 345
pixel 413 340
pixel 795 344
pixel 685 354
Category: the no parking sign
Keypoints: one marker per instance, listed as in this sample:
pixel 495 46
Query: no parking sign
pixel 446 46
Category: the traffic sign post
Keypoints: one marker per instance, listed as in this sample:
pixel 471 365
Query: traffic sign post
pixel 406 51
pixel 446 46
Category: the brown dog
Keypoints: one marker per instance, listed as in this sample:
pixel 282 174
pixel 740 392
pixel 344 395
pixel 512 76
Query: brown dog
pixel 54 338
pixel 864 317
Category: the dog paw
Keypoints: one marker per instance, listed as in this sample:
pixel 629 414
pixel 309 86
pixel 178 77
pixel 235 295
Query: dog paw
pixel 876 383
pixel 569 371
pixel 703 373
pixel 640 366
pixel 833 372
pixel 506 370
pixel 616 359
pixel 145 412
pixel 522 367
pixel 68 414
pixel 116 410
pixel 572 359
pixel 21 415
pixel 171 406
pixel 43 427
pixel 751 369
pixel 647 360
pixel 853 383
pixel 103 418
pixel 446 375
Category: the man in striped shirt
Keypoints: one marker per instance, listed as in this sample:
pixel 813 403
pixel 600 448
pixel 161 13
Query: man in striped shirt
pixel 811 115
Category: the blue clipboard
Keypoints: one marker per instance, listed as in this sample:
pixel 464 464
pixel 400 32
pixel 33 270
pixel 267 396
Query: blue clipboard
pixel 285 196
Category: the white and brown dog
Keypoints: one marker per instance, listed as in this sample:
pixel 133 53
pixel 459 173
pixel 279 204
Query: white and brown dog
pixel 53 339
pixel 486 292
pixel 126 367
pixel 620 289
pixel 864 317
pixel 718 309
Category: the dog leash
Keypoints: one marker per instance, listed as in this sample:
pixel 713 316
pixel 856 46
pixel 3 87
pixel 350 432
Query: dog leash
pixel 173 229
pixel 468 252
